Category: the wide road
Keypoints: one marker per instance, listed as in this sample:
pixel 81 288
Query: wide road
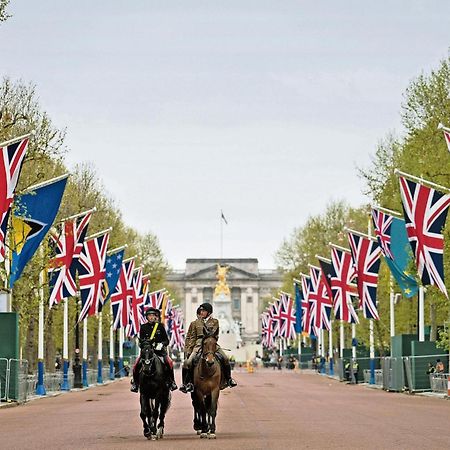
pixel 268 410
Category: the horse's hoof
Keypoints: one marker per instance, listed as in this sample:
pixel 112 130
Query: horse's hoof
pixel 203 435
pixel 147 434
pixel 153 437
pixel 211 436
pixel 160 433
pixel 199 432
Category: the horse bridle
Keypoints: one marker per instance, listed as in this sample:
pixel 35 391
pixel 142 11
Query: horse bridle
pixel 147 362
pixel 204 355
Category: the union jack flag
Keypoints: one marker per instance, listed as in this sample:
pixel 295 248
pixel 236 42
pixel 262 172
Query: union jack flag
pixel 121 298
pixel 10 165
pixel 136 306
pixel 177 334
pixel 67 247
pixel 274 311
pixel 268 339
pixel 425 211
pixel 155 299
pixel 342 275
pixel 320 303
pixel 366 255
pixel 92 275
pixel 382 223
pixel 306 313
pixel 287 317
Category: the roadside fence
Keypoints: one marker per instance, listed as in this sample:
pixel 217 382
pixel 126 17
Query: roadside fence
pixel 439 382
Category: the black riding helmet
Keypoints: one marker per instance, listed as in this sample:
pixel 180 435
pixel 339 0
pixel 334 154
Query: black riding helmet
pixel 153 311
pixel 206 307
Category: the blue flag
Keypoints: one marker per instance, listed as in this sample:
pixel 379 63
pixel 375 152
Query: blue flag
pixel 33 216
pixel 298 308
pixel 396 249
pixel 113 267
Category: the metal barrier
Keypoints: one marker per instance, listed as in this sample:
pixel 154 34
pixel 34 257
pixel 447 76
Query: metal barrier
pixel 4 378
pixel 378 376
pixel 416 368
pixel 439 382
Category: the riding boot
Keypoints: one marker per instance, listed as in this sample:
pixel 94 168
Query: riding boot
pixel 227 375
pixel 172 385
pixel 186 385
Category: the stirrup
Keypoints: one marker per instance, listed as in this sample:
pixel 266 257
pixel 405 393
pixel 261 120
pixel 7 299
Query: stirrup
pixel 231 383
pixel 134 387
pixel 183 389
pixel 173 386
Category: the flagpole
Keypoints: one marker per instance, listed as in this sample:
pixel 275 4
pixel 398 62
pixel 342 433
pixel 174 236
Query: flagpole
pixel 65 384
pixel 75 216
pixel 40 387
pixel 353 340
pixel 341 339
pixel 100 349
pixel 330 349
pixel 111 345
pixel 421 314
pixel 371 335
pixel 422 181
pixel 391 305
pixel 17 139
pixel 121 371
pixel 221 235
pixel 45 183
pixel 85 353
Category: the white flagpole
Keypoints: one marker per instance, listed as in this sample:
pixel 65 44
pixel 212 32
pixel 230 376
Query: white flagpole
pixel 421 314
pixel 353 340
pixel 371 335
pixel 100 349
pixel 330 350
pixel 40 387
pixel 121 371
pixel 391 305
pixel 85 353
pixel 111 346
pixel 341 339
pixel 65 384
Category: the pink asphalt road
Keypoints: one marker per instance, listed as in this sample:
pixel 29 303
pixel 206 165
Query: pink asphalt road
pixel 268 410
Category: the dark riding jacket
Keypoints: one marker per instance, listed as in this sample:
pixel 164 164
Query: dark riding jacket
pixel 160 335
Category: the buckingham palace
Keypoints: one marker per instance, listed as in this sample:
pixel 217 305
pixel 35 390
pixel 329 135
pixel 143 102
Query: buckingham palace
pixel 247 288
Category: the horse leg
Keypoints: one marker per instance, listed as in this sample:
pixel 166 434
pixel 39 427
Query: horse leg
pixel 212 413
pixel 163 407
pixel 197 424
pixel 143 414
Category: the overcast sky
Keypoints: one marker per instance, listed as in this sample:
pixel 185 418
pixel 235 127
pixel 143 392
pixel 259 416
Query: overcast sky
pixel 261 108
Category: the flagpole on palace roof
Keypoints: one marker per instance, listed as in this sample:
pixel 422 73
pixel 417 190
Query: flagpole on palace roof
pixel 385 210
pixel 75 216
pixel 45 183
pixel 100 233
pixel 17 139
pixel 422 181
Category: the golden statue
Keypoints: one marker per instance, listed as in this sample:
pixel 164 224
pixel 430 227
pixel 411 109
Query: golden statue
pixel 222 286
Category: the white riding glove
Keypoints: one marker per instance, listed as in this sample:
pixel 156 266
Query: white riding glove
pixel 159 346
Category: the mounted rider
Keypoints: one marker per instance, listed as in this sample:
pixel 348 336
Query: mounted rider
pixel 155 332
pixel 193 345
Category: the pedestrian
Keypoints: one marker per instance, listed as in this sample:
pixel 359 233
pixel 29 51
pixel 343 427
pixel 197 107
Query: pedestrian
pixel 355 368
pixel 431 369
pixel 439 366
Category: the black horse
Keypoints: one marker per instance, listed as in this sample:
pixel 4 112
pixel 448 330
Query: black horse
pixel 154 392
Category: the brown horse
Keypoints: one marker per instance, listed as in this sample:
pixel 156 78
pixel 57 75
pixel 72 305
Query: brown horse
pixel 207 378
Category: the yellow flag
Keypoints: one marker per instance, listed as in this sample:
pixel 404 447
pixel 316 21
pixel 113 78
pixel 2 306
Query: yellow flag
pixel 21 231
